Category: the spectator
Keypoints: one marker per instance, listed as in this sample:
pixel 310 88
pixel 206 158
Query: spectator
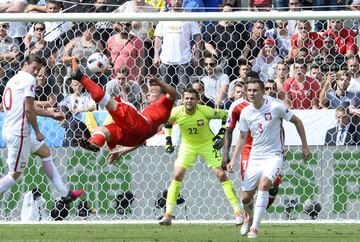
pixel 78 101
pixel 294 6
pixel 281 5
pixel 36 44
pixel 316 74
pixel 103 28
pixel 37 34
pixel 301 91
pixel 255 41
pixel 173 39
pixel 203 99
pixel 260 5
pixel 345 132
pixel 74 128
pixel 271 89
pixel 74 6
pixel 141 29
pixel 215 5
pixel 305 38
pixel 121 86
pixel 244 69
pixel 126 50
pixel 353 68
pixel 17 30
pixel 281 36
pixel 355 6
pixel 159 5
pixel 345 38
pixel 302 53
pixel 53 31
pixel 329 58
pixel 9 56
pixel 334 94
pixel 265 63
pixel 46 90
pixel 225 40
pixel 194 6
pixel 282 71
pixel 36 7
pixel 80 49
pixel 216 83
pixel 325 5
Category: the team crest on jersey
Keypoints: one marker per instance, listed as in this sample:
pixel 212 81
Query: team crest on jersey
pixel 268 116
pixel 200 122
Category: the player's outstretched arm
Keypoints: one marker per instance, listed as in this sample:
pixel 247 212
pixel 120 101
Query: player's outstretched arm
pixel 116 154
pixel 47 113
pixel 239 146
pixel 171 91
pixel 301 131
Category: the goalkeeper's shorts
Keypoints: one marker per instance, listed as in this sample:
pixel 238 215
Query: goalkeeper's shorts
pixel 187 155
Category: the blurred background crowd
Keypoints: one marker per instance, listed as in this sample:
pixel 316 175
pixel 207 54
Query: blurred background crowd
pixel 312 64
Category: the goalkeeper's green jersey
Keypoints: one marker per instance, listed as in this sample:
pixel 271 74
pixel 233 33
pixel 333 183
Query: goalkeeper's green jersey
pixel 195 129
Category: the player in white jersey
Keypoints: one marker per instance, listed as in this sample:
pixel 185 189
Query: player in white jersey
pixel 19 116
pixel 263 119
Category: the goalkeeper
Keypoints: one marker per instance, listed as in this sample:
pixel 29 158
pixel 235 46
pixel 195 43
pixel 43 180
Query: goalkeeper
pixel 196 139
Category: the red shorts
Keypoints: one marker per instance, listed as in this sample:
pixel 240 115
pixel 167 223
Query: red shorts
pixel 130 128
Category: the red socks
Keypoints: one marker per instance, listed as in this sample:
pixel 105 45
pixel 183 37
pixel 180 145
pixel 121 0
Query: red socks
pixel 96 92
pixel 98 138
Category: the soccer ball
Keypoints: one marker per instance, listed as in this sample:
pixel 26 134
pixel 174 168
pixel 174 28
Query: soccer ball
pixel 97 63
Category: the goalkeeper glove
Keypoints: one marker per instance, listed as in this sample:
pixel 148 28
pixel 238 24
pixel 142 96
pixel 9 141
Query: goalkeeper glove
pixel 219 139
pixel 169 148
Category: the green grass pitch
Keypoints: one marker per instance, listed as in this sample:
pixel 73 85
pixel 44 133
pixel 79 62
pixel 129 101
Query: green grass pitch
pixel 178 232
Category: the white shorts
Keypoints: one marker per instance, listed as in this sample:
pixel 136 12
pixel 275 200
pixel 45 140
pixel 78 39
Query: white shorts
pixel 271 167
pixel 19 150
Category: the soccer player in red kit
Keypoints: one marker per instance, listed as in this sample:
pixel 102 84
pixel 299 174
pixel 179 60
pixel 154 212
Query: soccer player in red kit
pixel 130 128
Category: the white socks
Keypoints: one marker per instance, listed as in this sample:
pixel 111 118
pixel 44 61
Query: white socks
pixel 6 183
pixel 260 207
pixel 53 174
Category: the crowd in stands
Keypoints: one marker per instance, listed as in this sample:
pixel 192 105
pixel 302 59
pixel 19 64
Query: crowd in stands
pixel 307 64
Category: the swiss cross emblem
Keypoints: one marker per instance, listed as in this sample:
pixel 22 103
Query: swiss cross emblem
pixel 200 122
pixel 268 117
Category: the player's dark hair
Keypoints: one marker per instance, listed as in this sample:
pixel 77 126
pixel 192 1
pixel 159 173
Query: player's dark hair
pixel 255 81
pixel 191 90
pixel 34 58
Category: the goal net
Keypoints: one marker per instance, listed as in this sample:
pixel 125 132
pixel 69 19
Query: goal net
pixel 307 59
